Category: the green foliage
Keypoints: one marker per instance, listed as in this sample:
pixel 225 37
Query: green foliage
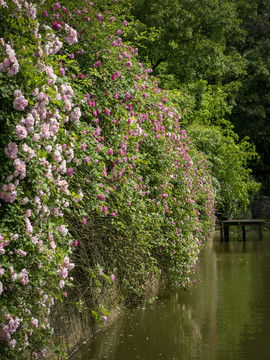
pixel 204 112
pixel 201 50
pixel 204 104
pixel 250 115
pixel 194 40
pixel 228 159
pixel 225 43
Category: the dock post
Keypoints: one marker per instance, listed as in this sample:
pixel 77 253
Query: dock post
pixel 244 232
pixel 260 232
pixel 221 232
pixel 239 232
pixel 226 232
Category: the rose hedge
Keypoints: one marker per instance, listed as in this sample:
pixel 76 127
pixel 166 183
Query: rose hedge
pixel 87 134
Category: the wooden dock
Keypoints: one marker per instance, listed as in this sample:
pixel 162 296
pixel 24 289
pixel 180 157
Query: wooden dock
pixel 241 224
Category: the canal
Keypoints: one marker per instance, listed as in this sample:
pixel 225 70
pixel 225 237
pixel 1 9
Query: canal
pixel 225 315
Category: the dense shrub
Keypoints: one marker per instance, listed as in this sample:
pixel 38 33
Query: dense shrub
pixel 87 138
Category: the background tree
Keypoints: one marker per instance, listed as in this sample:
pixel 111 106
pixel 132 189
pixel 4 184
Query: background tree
pixel 223 42
pixel 192 40
pixel 204 117
pixel 250 115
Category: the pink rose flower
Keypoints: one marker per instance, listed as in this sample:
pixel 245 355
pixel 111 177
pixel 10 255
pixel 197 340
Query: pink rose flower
pixel 62 72
pixel 70 171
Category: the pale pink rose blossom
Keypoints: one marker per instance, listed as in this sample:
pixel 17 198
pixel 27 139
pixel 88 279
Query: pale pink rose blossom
pixel 12 150
pixel 75 115
pixel 57 156
pixel 71 37
pixel 62 229
pixel 20 252
pixel 21 132
pixel 61 284
pixel 34 322
pixel 20 103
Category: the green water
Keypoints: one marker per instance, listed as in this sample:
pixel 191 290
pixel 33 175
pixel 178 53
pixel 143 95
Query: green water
pixel 225 316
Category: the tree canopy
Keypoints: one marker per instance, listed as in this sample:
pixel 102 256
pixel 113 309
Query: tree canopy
pixel 190 40
pixel 251 112
pixel 225 43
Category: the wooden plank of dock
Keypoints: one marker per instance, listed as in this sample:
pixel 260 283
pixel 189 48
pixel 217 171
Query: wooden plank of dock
pixel 225 228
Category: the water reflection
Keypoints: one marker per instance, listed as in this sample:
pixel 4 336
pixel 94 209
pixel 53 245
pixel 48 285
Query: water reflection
pixel 225 316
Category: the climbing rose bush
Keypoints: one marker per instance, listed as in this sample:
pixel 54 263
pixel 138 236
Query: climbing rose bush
pixel 87 133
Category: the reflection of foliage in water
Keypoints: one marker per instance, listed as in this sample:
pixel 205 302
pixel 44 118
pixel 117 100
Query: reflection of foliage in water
pixel 216 319
pixel 237 267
